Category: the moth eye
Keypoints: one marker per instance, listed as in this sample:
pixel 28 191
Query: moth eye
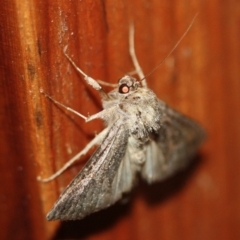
pixel 124 88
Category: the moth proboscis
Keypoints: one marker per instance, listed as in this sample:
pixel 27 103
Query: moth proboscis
pixel 143 135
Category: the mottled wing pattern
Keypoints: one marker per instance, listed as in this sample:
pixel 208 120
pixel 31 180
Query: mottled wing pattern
pixel 96 186
pixel 173 146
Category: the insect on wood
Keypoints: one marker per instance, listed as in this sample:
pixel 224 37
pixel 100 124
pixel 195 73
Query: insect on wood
pixel 143 136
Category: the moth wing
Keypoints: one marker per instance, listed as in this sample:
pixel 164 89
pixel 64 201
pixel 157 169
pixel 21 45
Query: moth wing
pixel 173 146
pixel 125 177
pixel 100 183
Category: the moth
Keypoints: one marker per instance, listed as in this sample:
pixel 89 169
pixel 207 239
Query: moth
pixel 143 136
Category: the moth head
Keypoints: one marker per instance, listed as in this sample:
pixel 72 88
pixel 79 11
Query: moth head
pixel 127 84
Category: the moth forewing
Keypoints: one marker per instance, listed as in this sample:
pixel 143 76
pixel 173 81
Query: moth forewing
pixel 91 190
pixel 172 147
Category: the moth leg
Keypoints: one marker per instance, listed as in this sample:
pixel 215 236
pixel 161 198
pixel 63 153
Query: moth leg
pixel 90 81
pixel 107 84
pixel 95 141
pixel 138 69
pixel 102 114
pixel 63 106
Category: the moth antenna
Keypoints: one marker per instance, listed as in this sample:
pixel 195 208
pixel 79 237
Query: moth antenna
pixel 175 46
pixel 136 64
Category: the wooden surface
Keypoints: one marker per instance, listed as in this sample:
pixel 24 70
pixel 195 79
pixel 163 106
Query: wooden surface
pixel 201 79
